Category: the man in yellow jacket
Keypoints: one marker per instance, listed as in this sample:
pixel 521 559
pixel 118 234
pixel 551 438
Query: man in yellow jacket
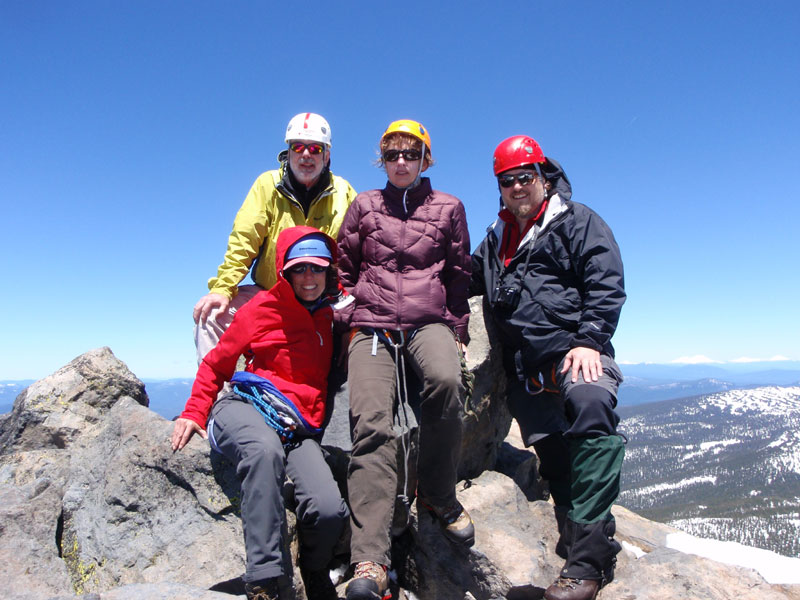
pixel 303 191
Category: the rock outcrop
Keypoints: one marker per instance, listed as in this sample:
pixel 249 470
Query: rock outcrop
pixel 52 412
pixel 94 504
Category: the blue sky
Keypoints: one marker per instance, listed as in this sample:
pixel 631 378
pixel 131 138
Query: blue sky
pixel 131 131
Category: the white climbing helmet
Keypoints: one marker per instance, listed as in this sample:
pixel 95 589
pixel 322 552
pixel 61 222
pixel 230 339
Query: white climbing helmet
pixel 309 127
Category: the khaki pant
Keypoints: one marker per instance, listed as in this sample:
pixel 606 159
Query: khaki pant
pixel 432 354
pixel 206 335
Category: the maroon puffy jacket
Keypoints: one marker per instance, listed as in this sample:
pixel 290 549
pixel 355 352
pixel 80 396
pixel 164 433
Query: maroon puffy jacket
pixel 407 265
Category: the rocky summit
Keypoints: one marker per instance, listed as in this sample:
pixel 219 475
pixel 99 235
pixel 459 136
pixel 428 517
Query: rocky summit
pixel 94 504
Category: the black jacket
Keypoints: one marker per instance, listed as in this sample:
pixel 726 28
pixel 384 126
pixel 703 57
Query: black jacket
pixel 571 292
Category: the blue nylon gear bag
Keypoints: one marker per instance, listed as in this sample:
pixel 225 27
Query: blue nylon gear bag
pixel 279 412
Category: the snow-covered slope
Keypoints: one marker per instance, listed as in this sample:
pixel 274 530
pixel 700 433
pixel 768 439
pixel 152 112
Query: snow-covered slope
pixel 725 465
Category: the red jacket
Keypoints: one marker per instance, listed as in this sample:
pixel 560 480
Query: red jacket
pixel 407 266
pixel 281 341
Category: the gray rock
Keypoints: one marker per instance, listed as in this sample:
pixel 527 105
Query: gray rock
pixel 135 512
pixel 52 412
pixel 153 591
pixel 514 556
pixel 31 487
pixel 487 420
pixel 102 509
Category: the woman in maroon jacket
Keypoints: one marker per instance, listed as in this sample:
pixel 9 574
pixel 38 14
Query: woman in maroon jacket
pixel 405 258
pixel 270 424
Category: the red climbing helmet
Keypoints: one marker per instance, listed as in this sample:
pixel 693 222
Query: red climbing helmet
pixel 516 151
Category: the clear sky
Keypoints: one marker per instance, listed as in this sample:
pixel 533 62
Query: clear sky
pixel 130 132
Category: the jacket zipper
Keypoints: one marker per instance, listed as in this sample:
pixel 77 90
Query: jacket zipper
pixel 400 272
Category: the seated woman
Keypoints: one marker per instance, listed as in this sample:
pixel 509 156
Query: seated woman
pixel 270 424
pixel 404 257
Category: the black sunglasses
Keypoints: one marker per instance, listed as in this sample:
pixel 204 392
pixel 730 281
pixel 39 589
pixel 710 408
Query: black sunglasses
pixel 394 155
pixel 302 267
pixel 300 147
pixel 507 181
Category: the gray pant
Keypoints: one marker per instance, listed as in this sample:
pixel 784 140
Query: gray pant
pixel 372 476
pixel 573 427
pixel 262 463
pixel 559 409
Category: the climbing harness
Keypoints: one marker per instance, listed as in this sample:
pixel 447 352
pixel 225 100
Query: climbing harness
pixel 537 384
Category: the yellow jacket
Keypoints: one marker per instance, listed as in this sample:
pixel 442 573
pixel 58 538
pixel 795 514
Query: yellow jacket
pixel 268 209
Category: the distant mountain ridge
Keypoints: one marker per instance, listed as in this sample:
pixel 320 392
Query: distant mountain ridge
pixel 644 383
pixel 765 372
pixel 9 390
pixel 654 382
pixel 724 465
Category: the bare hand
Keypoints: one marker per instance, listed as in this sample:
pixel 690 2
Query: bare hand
pixel 463 348
pixel 583 360
pixel 183 431
pixel 208 303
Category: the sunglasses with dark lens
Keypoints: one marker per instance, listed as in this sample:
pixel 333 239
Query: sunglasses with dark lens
pixel 302 267
pixel 507 181
pixel 394 155
pixel 300 147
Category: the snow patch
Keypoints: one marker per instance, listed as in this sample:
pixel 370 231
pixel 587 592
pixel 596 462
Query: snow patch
pixel 660 487
pixel 769 400
pixel 697 359
pixel 774 568
pixel 707 445
pixel 637 552
pixel 747 359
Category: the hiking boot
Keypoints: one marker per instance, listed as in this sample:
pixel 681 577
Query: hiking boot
pixel 266 589
pixel 369 582
pixel 454 520
pixel 318 585
pixel 566 588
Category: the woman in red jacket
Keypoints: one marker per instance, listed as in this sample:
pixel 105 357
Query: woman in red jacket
pixel 270 424
pixel 404 257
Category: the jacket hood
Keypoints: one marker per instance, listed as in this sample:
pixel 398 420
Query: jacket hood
pixel 559 183
pixel 289 236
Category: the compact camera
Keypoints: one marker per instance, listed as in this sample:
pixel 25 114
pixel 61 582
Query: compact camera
pixel 506 297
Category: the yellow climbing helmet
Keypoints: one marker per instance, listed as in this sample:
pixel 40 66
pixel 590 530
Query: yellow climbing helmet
pixel 410 127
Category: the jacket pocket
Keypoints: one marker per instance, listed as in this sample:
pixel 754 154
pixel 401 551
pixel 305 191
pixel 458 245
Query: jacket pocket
pixel 568 321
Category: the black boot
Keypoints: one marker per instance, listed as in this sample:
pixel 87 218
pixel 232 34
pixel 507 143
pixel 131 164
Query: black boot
pixel 318 584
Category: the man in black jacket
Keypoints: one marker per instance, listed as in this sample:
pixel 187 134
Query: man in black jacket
pixel 551 272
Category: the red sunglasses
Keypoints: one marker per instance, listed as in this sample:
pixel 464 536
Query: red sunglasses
pixel 300 147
